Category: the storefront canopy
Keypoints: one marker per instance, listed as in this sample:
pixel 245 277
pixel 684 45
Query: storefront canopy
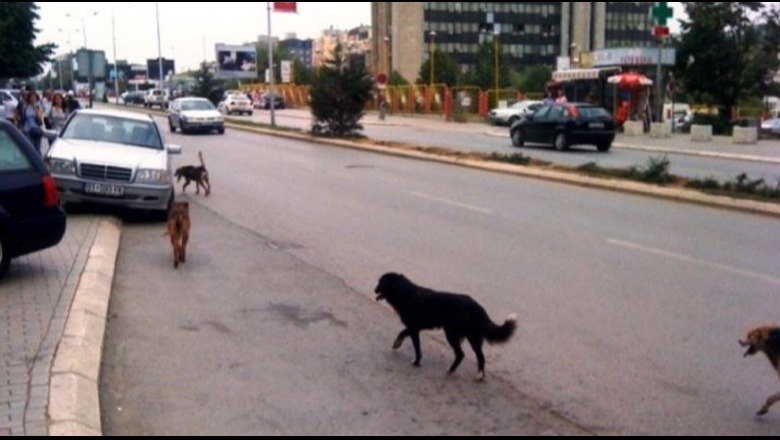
pixel 579 74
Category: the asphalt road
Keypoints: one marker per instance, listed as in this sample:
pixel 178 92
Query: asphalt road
pixel 630 308
pixel 460 138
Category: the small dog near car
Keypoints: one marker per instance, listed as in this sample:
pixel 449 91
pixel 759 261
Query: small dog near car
pixel 199 175
pixel 460 316
pixel 766 340
pixel 179 226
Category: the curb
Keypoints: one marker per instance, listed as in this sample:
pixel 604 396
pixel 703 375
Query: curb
pixel 707 154
pixel 74 404
pixel 635 188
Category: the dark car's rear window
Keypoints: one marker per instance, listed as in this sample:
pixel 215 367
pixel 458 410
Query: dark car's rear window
pixel 12 159
pixel 593 113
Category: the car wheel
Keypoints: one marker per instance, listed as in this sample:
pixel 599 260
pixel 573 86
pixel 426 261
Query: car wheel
pixel 221 131
pixel 251 114
pixel 184 129
pixel 517 138
pixel 5 255
pixel 512 120
pixel 171 126
pixel 561 142
pixel 605 147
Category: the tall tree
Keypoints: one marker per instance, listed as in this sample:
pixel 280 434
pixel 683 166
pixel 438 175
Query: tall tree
pixel 19 56
pixel 727 52
pixel 485 70
pixel 533 79
pixel 445 70
pixel 280 54
pixel 340 93
pixel 206 84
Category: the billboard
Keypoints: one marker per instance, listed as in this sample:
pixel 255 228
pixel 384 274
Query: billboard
pixel 236 62
pixel 153 68
pixel 137 74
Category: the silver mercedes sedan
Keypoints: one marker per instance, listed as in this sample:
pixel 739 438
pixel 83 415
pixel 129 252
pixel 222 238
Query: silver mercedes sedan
pixel 113 158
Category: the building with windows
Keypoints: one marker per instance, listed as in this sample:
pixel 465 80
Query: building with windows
pixel 528 33
pixel 300 50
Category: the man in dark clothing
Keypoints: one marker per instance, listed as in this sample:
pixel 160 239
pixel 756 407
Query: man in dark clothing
pixel 21 104
pixel 72 103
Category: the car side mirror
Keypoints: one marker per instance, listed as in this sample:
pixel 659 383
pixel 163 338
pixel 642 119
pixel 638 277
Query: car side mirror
pixel 51 135
pixel 173 150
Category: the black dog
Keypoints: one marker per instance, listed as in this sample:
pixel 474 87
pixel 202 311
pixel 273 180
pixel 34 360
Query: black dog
pixel 459 315
pixel 199 175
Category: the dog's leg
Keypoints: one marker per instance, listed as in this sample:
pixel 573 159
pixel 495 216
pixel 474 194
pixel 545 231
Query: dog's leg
pixel 399 341
pixel 415 335
pixel 184 241
pixel 207 185
pixel 184 188
pixel 197 186
pixel 476 345
pixel 455 341
pixel 769 404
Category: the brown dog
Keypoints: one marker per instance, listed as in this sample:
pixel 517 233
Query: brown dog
pixel 766 340
pixel 199 175
pixel 179 231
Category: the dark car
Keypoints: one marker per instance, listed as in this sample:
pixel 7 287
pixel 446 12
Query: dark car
pixel 265 101
pixel 31 218
pixel 135 98
pixel 564 125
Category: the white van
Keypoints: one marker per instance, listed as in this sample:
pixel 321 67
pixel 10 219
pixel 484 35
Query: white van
pixel 156 98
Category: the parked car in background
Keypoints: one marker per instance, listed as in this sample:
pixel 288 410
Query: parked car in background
pixel 266 99
pixel 134 98
pixel 771 128
pixel 514 113
pixel 564 125
pixel 236 104
pixel 31 219
pixel 156 98
pixel 113 158
pixel 195 114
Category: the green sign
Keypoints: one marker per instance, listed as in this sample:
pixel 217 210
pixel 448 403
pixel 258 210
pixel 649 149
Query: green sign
pixel 662 13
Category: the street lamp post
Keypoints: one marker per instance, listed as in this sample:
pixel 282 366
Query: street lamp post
pixel 433 57
pixel 90 55
pixel 159 44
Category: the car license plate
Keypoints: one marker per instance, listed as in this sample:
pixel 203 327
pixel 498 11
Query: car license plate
pixel 597 125
pixel 100 189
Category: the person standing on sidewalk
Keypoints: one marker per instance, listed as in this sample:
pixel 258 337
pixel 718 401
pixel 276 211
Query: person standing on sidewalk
pixel 72 103
pixel 58 114
pixel 31 120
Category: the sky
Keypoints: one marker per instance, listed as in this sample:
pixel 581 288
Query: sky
pixel 189 31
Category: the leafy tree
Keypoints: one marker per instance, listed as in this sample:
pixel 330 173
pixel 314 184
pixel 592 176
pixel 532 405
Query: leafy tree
pixel 302 75
pixel 397 80
pixel 19 57
pixel 445 70
pixel 280 54
pixel 533 79
pixel 727 52
pixel 339 94
pixel 485 70
pixel 207 86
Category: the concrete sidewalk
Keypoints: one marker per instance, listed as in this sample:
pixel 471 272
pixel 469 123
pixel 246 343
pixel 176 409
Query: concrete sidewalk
pixel 35 302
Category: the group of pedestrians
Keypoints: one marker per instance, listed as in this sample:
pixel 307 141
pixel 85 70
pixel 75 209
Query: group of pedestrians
pixel 35 113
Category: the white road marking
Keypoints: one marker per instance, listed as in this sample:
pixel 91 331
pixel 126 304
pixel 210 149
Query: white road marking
pixel 451 203
pixel 693 260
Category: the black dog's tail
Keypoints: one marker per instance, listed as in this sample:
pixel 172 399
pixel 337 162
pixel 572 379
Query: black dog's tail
pixel 501 334
pixel 202 162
